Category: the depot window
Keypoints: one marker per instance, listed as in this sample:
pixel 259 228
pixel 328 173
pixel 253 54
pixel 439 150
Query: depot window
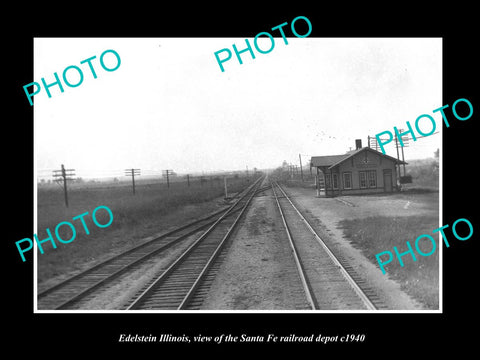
pixel 372 179
pixel 335 181
pixel 368 179
pixel 347 180
pixel 363 179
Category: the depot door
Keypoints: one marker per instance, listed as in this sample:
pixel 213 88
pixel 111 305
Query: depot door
pixel 387 180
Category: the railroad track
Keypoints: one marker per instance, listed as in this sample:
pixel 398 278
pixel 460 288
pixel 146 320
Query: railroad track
pixel 329 282
pixel 68 293
pixel 177 288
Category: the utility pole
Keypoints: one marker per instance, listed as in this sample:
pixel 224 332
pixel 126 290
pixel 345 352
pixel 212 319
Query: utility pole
pixel 301 169
pixel 132 173
pixel 405 144
pixel 225 182
pixel 398 156
pixel 167 173
pixel 188 180
pixel 372 142
pixel 66 174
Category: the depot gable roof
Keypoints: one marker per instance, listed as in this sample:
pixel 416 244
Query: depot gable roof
pixel 330 161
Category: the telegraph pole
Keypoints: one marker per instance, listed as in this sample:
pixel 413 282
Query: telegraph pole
pixel 301 170
pixel 167 173
pixel 398 156
pixel 66 174
pixel 405 144
pixel 225 182
pixel 132 173
pixel 372 142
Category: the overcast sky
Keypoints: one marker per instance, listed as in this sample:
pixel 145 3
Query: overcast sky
pixel 168 105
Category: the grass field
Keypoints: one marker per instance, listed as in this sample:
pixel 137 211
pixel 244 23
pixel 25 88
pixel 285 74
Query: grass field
pixel 154 208
pixel 374 235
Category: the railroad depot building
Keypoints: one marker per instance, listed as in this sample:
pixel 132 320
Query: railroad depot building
pixel 360 171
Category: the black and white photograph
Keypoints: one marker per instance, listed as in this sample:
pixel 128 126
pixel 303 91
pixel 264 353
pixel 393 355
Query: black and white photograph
pixel 262 187
pixel 259 181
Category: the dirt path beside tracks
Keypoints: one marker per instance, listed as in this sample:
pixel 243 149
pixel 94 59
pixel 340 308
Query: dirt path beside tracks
pixel 258 271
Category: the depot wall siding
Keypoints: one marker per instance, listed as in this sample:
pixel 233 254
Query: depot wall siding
pixel 366 161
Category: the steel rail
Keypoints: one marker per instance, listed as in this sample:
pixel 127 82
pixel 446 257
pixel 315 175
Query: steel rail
pixel 129 251
pixel 76 297
pixel 301 271
pixel 345 273
pixel 217 251
pixel 150 289
pixel 131 264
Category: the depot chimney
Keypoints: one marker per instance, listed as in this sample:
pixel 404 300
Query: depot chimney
pixel 358 144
